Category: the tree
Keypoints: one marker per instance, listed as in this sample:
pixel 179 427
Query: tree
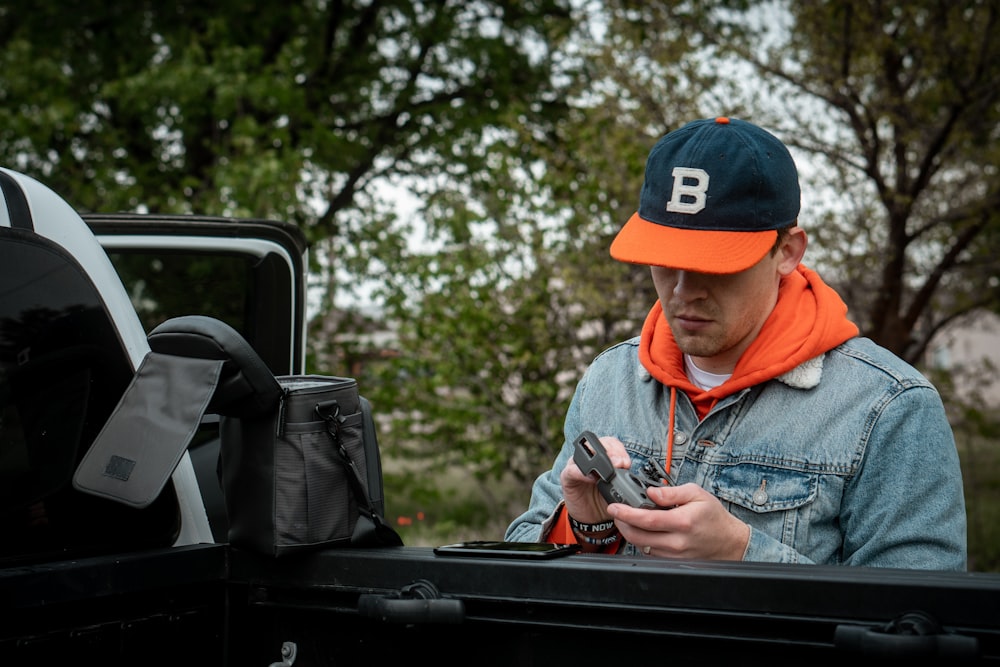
pixel 287 110
pixel 897 105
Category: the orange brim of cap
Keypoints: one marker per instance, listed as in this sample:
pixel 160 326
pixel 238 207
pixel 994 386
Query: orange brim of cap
pixel 702 251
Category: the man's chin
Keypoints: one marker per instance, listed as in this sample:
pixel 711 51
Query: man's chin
pixel 696 346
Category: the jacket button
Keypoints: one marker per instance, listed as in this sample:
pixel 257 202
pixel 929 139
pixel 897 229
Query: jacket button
pixel 760 495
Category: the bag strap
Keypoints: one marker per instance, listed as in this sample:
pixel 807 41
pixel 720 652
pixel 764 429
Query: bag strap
pixel 373 457
pixel 247 387
pixel 371 527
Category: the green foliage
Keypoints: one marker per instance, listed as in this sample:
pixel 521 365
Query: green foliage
pixel 269 109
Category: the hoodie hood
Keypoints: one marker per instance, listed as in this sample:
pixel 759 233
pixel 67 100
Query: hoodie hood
pixel 808 320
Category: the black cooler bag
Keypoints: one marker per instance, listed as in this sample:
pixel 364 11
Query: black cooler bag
pixel 302 475
pixel 299 457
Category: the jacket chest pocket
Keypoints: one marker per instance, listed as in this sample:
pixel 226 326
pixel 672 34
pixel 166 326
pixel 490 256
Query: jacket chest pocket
pixel 760 489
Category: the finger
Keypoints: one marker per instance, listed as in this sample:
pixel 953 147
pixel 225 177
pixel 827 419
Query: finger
pixel 638 519
pixel 616 451
pixel 671 496
pixel 572 474
pixel 663 520
pixel 648 541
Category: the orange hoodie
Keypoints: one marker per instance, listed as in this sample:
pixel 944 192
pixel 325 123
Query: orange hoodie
pixel 808 319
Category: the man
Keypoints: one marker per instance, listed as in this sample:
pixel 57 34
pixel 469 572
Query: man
pixel 787 437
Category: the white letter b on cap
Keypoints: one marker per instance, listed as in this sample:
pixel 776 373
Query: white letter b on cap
pixel 696 190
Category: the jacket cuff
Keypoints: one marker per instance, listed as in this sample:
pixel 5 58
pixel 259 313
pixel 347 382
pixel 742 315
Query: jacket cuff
pixel 556 529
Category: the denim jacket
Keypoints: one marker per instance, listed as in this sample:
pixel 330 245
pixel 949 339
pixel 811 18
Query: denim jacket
pixel 846 459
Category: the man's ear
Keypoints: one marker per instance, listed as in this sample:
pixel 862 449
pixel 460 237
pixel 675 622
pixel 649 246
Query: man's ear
pixel 792 249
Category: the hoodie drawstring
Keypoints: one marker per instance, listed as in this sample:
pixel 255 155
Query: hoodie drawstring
pixel 669 456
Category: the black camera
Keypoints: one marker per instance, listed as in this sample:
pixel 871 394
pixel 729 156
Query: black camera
pixel 616 485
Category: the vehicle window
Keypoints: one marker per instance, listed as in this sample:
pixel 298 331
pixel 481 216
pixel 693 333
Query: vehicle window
pixel 247 292
pixel 62 371
pixel 163 285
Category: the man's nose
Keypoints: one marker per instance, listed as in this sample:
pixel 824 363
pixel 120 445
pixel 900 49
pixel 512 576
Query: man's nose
pixel 688 285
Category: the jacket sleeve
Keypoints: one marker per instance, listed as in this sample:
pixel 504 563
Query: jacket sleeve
pixel 905 508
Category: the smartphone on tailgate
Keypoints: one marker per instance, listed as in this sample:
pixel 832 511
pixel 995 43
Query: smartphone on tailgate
pixel 500 549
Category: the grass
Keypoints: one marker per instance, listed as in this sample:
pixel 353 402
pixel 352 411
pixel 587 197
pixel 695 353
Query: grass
pixel 448 505
pixel 981 474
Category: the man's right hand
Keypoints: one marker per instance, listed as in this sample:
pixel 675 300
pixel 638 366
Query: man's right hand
pixel 583 501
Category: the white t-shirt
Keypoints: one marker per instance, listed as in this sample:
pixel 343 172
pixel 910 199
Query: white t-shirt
pixel 701 378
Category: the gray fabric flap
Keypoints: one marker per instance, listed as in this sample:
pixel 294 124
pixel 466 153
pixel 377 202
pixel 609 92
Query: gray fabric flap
pixel 142 442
